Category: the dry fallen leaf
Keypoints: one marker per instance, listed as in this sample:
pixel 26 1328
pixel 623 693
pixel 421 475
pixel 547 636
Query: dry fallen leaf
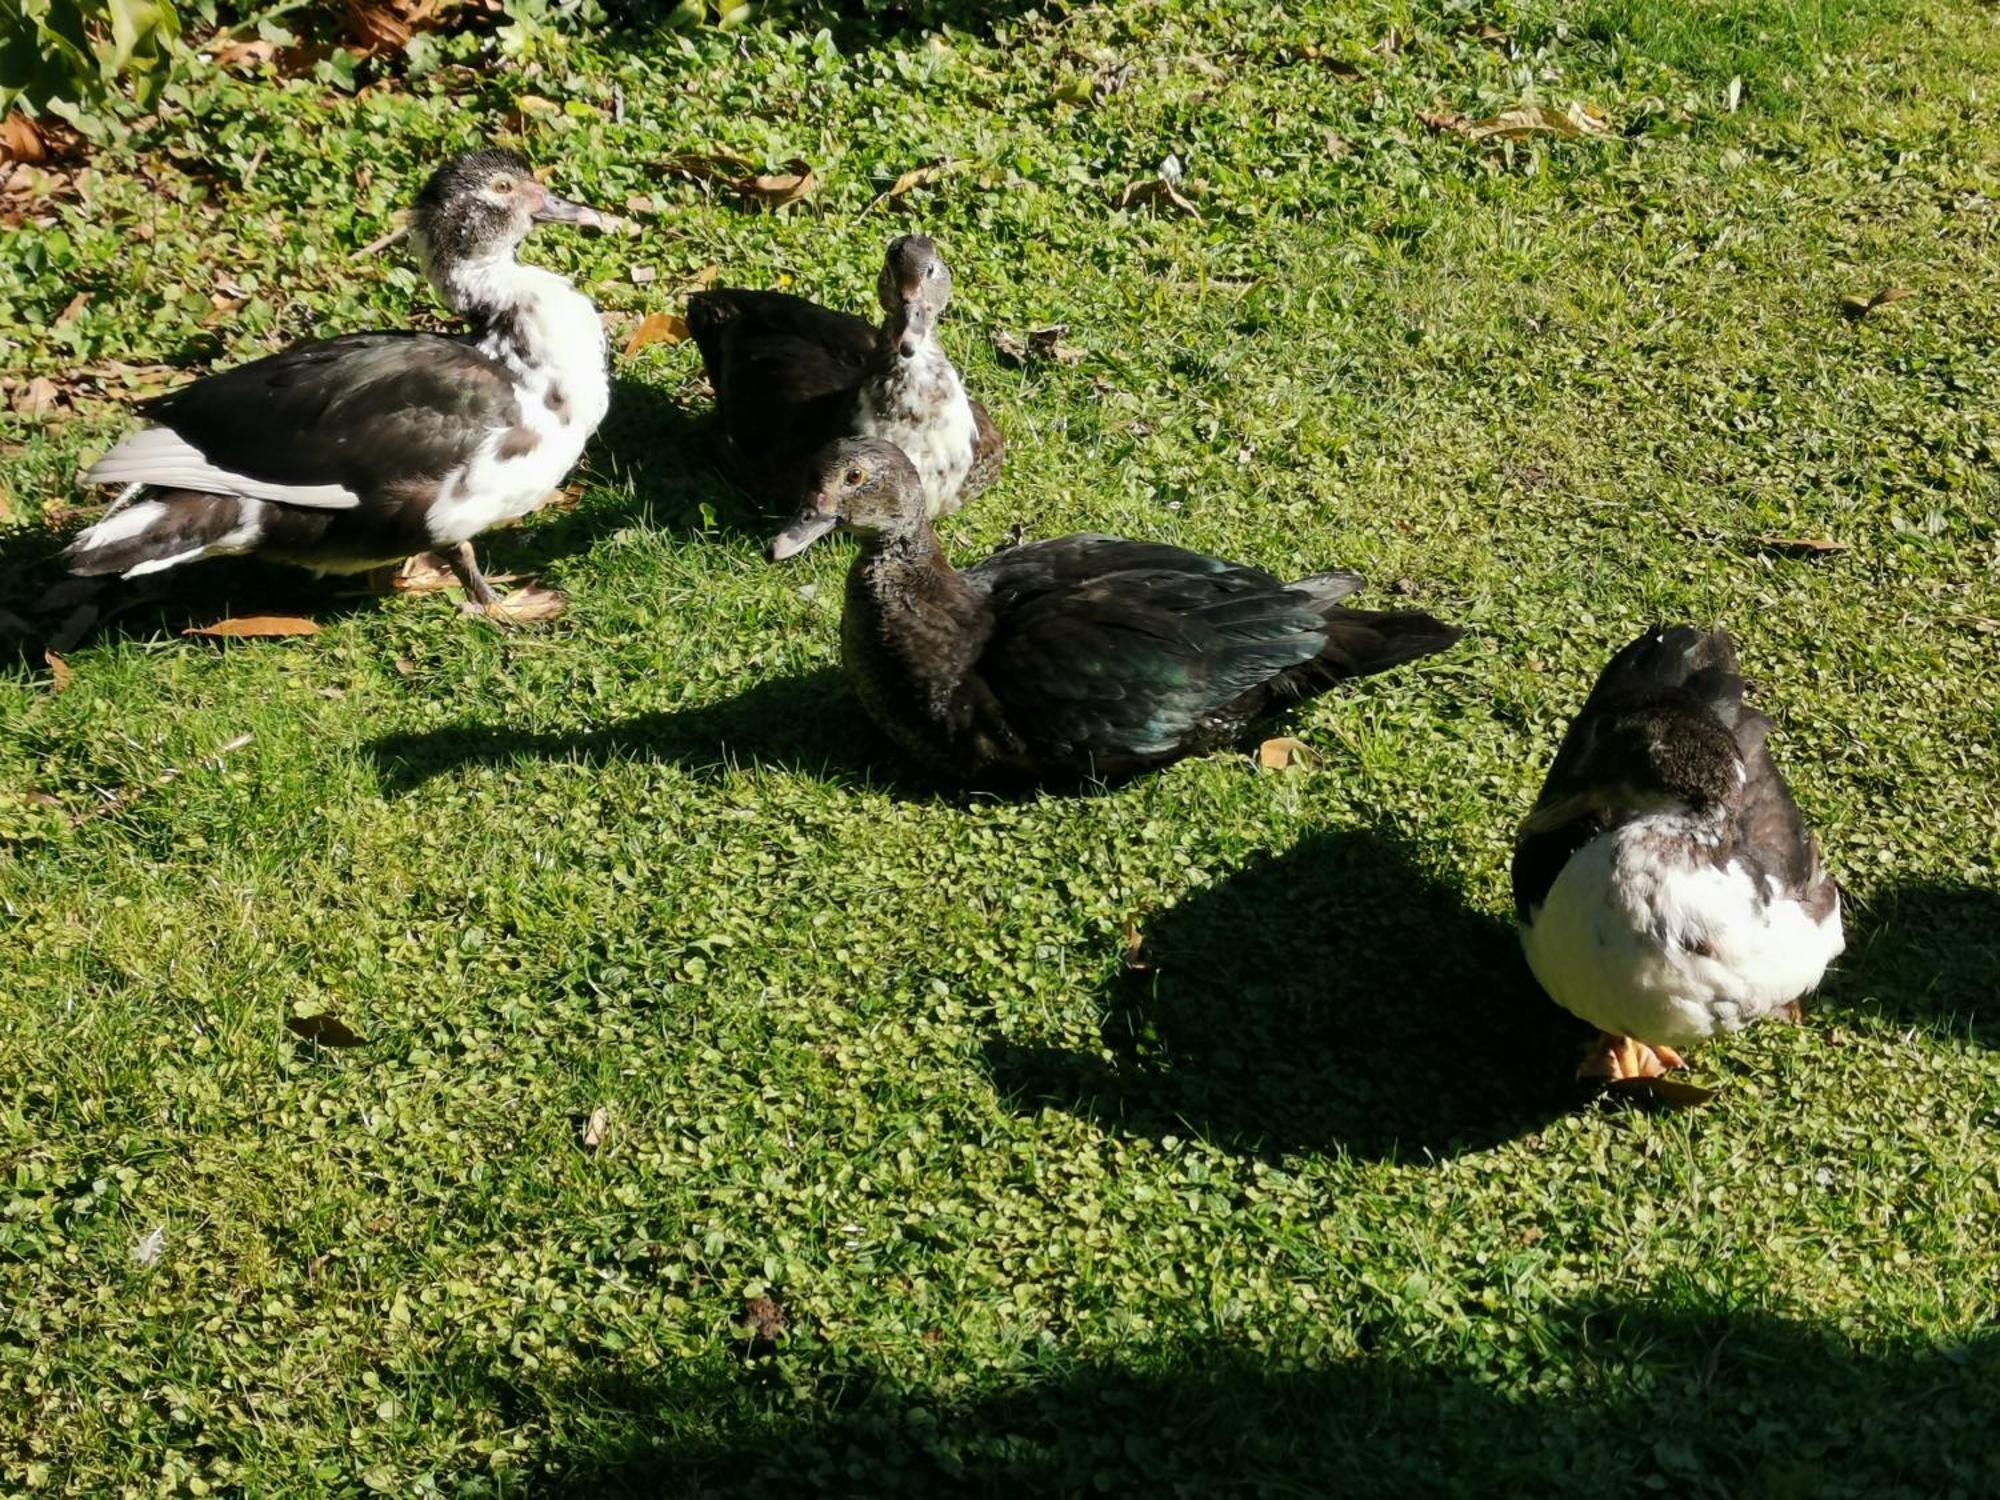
pixel 1157 190
pixel 777 190
pixel 328 1031
pixel 763 1319
pixel 1135 947
pixel 1042 343
pixel 1530 119
pixel 1805 546
pixel 21 139
pixel 1674 1093
pixel 707 166
pixel 595 1131
pixel 1861 307
pixel 530 605
pixel 247 55
pixel 248 626
pixel 656 328
pixel 1441 120
pixel 72 309
pixel 37 398
pixel 59 672
pixel 917 177
pixel 1275 755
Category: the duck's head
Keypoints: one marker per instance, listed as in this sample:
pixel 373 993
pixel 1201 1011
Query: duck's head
pixel 866 485
pixel 914 287
pixel 481 204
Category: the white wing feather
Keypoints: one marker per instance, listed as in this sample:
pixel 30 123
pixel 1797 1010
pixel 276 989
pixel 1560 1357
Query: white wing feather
pixel 161 457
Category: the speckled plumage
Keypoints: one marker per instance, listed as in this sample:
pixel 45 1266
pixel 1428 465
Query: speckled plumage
pixel 790 376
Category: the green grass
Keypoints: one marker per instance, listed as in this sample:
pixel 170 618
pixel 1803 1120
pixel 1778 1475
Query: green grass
pixel 1305 1208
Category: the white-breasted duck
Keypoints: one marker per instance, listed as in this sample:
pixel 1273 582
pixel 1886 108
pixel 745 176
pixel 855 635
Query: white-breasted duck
pixel 346 454
pixel 1666 884
pixel 791 376
pixel 1084 656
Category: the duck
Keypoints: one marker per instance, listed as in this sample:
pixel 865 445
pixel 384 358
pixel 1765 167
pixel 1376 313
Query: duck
pixel 1666 885
pixel 791 376
pixel 1083 657
pixel 345 454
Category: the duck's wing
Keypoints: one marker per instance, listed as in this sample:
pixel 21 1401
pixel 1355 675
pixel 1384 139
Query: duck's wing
pixel 322 424
pixel 989 448
pixel 1135 664
pixel 777 348
pixel 1014 575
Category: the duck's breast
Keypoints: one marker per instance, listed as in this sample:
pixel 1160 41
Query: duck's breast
pixel 1653 938
pixel 922 408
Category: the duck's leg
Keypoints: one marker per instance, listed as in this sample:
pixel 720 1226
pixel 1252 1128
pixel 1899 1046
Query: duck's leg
pixel 479 596
pixel 1612 1057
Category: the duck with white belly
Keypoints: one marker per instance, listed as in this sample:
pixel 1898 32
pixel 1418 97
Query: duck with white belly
pixel 1666 884
pixel 346 454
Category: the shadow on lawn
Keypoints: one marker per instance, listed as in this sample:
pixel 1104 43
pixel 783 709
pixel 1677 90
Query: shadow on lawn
pixel 1680 1400
pixel 1924 954
pixel 1338 995
pixel 809 724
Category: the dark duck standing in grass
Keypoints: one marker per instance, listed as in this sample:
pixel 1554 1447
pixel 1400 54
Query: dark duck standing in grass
pixel 791 376
pixel 350 453
pixel 1666 885
pixel 1081 657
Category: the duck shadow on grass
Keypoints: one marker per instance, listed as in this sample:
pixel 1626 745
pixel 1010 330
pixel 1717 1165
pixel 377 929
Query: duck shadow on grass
pixel 809 724
pixel 1336 996
pixel 1922 954
pixel 1680 1399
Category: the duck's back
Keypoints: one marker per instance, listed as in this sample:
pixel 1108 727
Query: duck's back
pixel 785 372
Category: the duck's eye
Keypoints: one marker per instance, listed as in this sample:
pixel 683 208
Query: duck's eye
pixel 855 476
pixel 502 184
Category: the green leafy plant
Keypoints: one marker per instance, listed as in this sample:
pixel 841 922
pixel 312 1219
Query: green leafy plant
pixel 70 58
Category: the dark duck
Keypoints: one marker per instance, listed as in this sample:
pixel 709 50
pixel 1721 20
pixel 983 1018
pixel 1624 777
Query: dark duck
pixel 791 376
pixel 350 453
pixel 1666 885
pixel 1077 658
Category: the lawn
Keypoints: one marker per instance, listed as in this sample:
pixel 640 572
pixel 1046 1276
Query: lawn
pixel 1201 1136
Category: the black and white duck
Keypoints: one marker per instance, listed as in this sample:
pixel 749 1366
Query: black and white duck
pixel 791 376
pixel 349 453
pixel 1084 656
pixel 1666 885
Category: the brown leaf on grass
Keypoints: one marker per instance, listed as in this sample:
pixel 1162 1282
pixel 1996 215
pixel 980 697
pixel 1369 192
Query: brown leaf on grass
pixel 59 672
pixel 245 55
pixel 916 177
pixel 1041 343
pixel 1538 119
pixel 1861 307
pixel 530 605
pixel 247 627
pixel 326 1030
pixel 1802 546
pixel 1277 754
pixel 707 166
pixel 72 310
pixel 23 139
pixel 425 573
pixel 382 28
pixel 763 1319
pixel 1135 947
pixel 1155 191
pixel 1439 121
pixel 656 328
pixel 37 398
pixel 776 190
pixel 597 1128
pixel 1673 1093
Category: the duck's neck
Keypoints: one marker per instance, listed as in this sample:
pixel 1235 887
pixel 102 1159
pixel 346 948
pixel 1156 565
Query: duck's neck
pixel 1697 832
pixel 917 608
pixel 534 322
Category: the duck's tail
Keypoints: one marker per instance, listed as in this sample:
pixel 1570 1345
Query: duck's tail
pixel 163 531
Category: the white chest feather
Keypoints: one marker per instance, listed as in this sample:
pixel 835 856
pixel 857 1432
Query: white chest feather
pixel 1644 937
pixel 922 408
pixel 552 342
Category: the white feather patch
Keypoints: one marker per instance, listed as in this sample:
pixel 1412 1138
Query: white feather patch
pixel 161 457
pixel 1643 937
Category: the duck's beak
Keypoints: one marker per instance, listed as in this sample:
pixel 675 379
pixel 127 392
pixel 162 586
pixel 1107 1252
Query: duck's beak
pixel 554 210
pixel 811 525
